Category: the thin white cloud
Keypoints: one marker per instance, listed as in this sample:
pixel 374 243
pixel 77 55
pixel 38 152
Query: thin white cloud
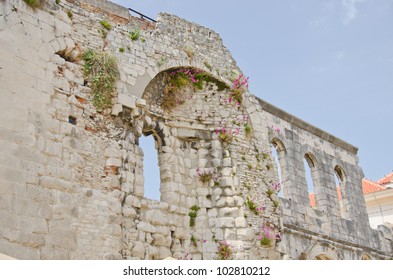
pixel 350 10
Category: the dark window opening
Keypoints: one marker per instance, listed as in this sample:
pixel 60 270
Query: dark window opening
pixel 72 120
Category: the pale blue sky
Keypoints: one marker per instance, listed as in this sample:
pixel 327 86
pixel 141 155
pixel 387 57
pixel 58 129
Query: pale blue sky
pixel 329 62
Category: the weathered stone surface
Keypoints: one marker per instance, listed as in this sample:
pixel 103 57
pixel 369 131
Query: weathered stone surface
pixel 72 179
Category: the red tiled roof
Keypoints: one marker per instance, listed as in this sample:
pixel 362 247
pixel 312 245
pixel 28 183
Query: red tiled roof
pixel 368 186
pixel 312 199
pixel 387 179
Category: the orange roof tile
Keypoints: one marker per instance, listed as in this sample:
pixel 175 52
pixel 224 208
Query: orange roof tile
pixel 369 186
pixel 387 179
pixel 312 199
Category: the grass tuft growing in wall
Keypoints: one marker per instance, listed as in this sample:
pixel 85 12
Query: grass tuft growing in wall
pixel 106 24
pixel 101 70
pixel 33 3
pixel 134 34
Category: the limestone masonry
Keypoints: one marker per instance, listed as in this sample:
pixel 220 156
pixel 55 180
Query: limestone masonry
pixel 71 174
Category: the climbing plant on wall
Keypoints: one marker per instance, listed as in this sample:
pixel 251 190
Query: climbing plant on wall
pixel 101 70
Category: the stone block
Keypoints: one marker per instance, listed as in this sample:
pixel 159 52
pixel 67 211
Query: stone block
pixel 240 222
pixel 56 184
pixel 32 225
pixel 164 252
pixel 246 234
pixel 156 217
pixel 186 133
pixel 127 101
pixel 138 250
pixel 129 212
pixel 133 201
pixel 170 198
pixel 160 240
pixel 229 212
pixel 146 227
pixel 225 222
pixel 226 181
pixel 230 234
pixel 65 239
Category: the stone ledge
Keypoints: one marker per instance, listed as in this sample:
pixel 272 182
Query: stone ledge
pixel 109 7
pixel 306 126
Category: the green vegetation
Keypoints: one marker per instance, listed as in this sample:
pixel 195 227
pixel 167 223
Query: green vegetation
pixel 102 72
pixel 106 24
pixel 266 241
pixel 208 66
pixel 251 205
pixel 248 130
pixel 275 204
pixel 70 14
pixel 183 78
pixel 103 33
pixel 58 2
pixel 224 251
pixel 194 241
pixel 268 166
pixel 193 214
pixel 161 61
pixel 122 50
pixel 134 34
pixel 33 3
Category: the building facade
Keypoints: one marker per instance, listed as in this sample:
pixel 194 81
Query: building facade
pixel 82 81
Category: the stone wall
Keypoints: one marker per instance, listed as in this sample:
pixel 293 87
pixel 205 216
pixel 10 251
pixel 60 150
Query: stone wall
pixel 72 185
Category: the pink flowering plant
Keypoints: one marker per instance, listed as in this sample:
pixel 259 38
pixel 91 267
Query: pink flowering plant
pixel 267 236
pixel 179 80
pixel 275 130
pixel 275 188
pixel 240 85
pixel 224 250
pixel 174 92
pixel 226 135
pixel 250 203
pixel 206 175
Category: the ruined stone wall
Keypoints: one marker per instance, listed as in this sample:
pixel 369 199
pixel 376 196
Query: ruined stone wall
pixel 322 230
pixel 72 185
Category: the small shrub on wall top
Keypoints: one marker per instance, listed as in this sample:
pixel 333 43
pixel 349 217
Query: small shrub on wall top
pixel 102 72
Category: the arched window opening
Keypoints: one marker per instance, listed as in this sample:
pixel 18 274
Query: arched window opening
pixel 323 257
pixel 278 152
pixel 309 167
pixel 151 171
pixel 339 180
pixel 275 157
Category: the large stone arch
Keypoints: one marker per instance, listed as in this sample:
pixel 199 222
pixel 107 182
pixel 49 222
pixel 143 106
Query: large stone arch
pixel 142 82
pixel 321 251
